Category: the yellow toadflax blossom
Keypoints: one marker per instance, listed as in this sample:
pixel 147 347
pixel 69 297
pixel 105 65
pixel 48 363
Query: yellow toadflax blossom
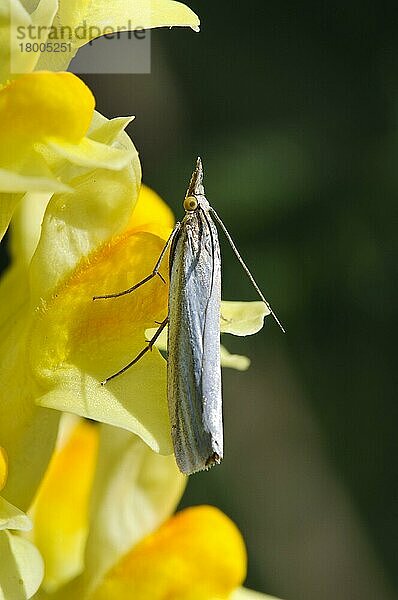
pixel 48 138
pixel 93 167
pixel 132 545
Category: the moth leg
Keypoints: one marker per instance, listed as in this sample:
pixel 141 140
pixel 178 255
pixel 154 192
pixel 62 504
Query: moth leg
pixel 225 319
pixel 149 277
pixel 141 354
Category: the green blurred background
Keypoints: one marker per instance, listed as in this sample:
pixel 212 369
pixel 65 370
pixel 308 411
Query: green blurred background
pixel 293 108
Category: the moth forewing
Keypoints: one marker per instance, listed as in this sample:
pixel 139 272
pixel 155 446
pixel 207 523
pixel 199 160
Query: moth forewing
pixel 194 372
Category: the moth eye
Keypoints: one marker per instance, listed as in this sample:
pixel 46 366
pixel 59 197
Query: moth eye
pixel 190 203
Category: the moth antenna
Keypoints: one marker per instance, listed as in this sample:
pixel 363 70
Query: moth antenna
pixel 246 268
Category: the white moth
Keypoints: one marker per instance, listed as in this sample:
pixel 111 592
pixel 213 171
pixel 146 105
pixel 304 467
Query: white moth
pixel 193 364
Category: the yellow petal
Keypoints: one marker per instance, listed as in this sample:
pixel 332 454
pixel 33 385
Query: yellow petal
pixel 102 202
pixel 36 109
pixel 122 16
pixel 34 176
pixel 23 425
pixel 245 594
pixel 197 555
pixel 13 17
pixel 152 214
pixel 233 361
pixel 10 516
pixel 26 229
pixel 135 490
pixel 3 467
pixel 89 153
pixel 238 318
pixel 107 131
pixel 76 225
pixel 12 284
pixel 242 318
pixel 8 203
pixel 26 226
pixel 73 227
pixel 143 13
pixel 60 509
pixel 21 568
pixel 76 343
pixel 42 105
pixel 13 518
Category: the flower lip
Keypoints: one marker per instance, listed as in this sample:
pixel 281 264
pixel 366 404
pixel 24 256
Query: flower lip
pixel 198 554
pixel 43 105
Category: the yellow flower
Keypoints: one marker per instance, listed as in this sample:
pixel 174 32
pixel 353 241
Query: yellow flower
pixel 134 547
pixel 75 22
pixel 66 487
pixel 196 555
pixel 52 234
pixel 47 138
pixel 21 566
pixel 3 468
pixel 74 246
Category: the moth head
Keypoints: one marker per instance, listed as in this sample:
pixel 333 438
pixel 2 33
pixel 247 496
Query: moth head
pixel 190 203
